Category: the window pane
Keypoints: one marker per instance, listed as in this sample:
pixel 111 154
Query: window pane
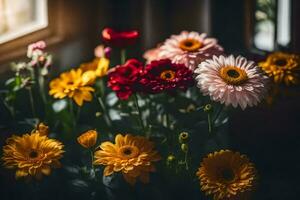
pixel 21 17
pixel 264 35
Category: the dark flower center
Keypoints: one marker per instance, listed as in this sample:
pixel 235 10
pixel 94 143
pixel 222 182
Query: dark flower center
pixel 280 62
pixel 128 151
pixel 233 73
pixel 190 45
pixel 228 175
pixel 33 154
pixel 167 75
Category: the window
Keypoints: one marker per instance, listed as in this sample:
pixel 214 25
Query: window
pixel 272 24
pixel 21 17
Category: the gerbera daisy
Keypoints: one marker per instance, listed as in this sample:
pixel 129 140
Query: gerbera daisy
pixel 232 81
pixel 121 39
pixel 189 48
pixel 99 66
pixel 151 54
pixel 72 85
pixel 32 155
pixel 227 175
pixel 123 79
pixel 282 67
pixel 163 75
pixel 133 156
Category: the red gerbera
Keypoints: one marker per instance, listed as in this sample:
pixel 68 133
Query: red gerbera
pixel 124 79
pixel 119 39
pixel 163 75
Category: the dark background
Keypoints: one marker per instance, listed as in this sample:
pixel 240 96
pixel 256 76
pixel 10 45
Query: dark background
pixel 269 135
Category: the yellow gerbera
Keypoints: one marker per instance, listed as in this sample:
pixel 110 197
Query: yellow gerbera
pixel 283 67
pixel 99 66
pixel 32 155
pixel 71 84
pixel 227 175
pixel 131 155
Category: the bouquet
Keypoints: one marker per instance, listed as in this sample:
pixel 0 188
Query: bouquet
pixel 118 127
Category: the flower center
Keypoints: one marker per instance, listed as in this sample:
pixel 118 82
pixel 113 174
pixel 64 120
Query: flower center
pixel 190 45
pixel 33 154
pixel 228 175
pixel 280 62
pixel 167 75
pixel 128 151
pixel 233 75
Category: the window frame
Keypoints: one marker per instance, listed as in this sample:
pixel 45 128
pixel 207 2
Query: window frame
pixel 52 34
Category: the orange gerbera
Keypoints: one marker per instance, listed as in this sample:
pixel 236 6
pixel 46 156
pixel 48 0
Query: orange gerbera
pixel 133 156
pixel 32 155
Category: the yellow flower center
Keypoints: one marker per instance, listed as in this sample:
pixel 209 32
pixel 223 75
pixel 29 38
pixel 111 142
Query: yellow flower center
pixel 167 75
pixel 128 151
pixel 281 62
pixel 227 175
pixel 233 75
pixel 190 45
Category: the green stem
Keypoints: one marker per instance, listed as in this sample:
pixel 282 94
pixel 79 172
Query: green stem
pixel 218 114
pixel 123 56
pixel 186 160
pixel 107 118
pixel 139 112
pixel 32 102
pixel 209 122
pixel 92 159
pixel 72 114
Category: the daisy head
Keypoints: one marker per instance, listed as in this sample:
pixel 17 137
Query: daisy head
pixel 232 81
pixel 189 48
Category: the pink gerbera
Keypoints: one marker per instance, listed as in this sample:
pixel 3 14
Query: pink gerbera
pixel 232 81
pixel 189 48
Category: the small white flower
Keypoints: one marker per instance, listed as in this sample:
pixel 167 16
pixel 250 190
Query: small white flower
pixel 232 81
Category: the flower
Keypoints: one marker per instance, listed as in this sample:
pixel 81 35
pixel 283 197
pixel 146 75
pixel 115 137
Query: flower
pixel 189 48
pixel 133 156
pixel 42 129
pixel 124 79
pixel 163 75
pixel 70 84
pixel 282 67
pixel 232 81
pixel 36 49
pixel 99 66
pixel 152 54
pixel 88 139
pixel 32 155
pixel 102 52
pixel 227 175
pixel 119 39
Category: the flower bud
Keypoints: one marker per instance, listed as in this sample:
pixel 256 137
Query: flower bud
pixel 42 129
pixel 88 139
pixel 107 52
pixel 184 147
pixel 208 108
pixel 170 159
pixel 183 137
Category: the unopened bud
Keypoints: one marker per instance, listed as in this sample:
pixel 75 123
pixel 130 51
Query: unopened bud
pixel 184 147
pixel 208 108
pixel 183 137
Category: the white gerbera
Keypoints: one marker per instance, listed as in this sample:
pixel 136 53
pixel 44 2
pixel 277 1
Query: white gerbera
pixel 232 81
pixel 189 48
